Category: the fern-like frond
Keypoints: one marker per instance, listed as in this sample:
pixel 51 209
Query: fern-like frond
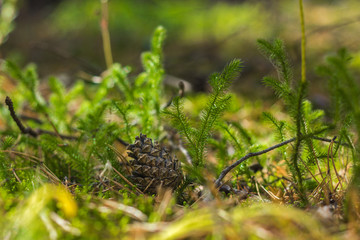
pixel 344 89
pixel 182 124
pixel 218 102
pixel 281 89
pixel 124 113
pixel 275 51
pixel 279 125
pixel 230 131
pixel 93 120
pixel 30 81
pixel 197 138
pixel 243 133
pixel 120 77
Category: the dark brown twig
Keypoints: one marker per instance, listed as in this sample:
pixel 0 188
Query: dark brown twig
pixel 22 128
pixel 68 137
pixel 123 142
pixel 37 132
pixel 249 155
pixel 330 140
pixel 29 130
pixel 25 118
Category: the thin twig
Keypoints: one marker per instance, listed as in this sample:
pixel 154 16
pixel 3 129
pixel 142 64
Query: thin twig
pixel 333 162
pixel 249 155
pixel 272 195
pixel 29 130
pixel 123 142
pixel 22 128
pixel 16 176
pixel 328 164
pixel 26 156
pixel 330 140
pixel 34 119
pixel 316 159
pixel 37 132
pixel 53 126
pixel 127 181
pixel 62 136
pixel 152 180
pixel 307 168
pixel 122 186
pixel 258 191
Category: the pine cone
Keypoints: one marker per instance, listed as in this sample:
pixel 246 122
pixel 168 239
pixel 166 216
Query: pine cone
pixel 152 166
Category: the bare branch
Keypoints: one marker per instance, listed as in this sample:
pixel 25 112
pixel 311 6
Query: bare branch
pixel 37 132
pixel 249 155
pixel 22 128
pixel 330 140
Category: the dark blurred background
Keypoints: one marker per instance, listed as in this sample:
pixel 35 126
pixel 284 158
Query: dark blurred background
pixel 63 37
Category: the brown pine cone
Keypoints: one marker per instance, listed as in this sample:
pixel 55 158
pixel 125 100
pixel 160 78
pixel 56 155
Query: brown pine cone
pixel 152 166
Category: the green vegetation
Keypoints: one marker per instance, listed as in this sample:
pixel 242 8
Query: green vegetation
pixel 7 15
pixel 198 137
pixel 250 171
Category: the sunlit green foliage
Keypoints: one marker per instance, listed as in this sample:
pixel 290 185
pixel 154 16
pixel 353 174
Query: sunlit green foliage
pixel 72 143
pixel 198 135
pixel 345 94
pixel 306 122
pixel 7 16
pixel 67 181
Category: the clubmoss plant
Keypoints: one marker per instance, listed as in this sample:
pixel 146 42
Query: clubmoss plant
pixel 345 99
pixel 67 146
pixel 198 135
pixel 63 163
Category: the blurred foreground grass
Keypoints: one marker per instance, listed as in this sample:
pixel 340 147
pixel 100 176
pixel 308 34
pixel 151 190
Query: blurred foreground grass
pixel 52 213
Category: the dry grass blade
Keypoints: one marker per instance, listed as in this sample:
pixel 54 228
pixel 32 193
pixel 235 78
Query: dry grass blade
pixel 52 177
pixel 27 156
pixel 258 191
pixel 336 172
pixel 64 224
pixel 316 160
pixel 121 186
pixel 307 168
pixel 328 164
pixel 122 158
pixel 270 193
pixel 149 184
pixel 127 181
pixel 16 176
pixel 128 210
pixel 164 198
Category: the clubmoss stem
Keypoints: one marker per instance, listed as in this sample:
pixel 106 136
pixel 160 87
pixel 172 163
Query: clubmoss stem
pixel 105 33
pixel 303 42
